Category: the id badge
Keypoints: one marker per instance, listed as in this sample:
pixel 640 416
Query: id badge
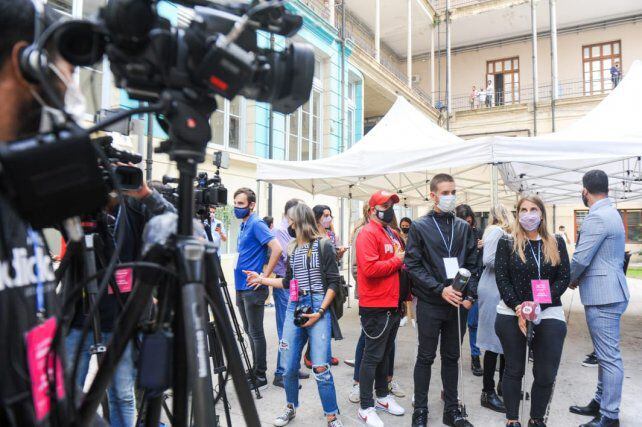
pixel 41 367
pixel 541 291
pixel 452 267
pixel 294 290
pixel 124 280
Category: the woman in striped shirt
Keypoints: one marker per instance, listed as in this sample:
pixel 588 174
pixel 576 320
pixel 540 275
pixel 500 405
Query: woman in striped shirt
pixel 312 275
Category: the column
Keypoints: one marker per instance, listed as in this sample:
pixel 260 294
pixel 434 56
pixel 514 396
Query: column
pixel 432 64
pixel 554 82
pixel 331 11
pixel 534 47
pixel 409 45
pixel 378 30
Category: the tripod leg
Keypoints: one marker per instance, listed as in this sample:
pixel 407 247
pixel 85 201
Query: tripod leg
pixel 227 339
pixel 193 305
pixel 153 411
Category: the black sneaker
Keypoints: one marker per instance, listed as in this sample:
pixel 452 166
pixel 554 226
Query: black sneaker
pixel 455 418
pixel 536 423
pixel 278 381
pixel 590 361
pixel 475 366
pixel 260 383
pixel 420 417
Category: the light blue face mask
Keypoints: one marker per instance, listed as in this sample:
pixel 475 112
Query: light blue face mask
pixel 447 203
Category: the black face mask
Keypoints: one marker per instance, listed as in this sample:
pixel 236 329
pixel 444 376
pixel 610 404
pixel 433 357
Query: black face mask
pixel 585 200
pixel 405 230
pixel 292 232
pixel 387 215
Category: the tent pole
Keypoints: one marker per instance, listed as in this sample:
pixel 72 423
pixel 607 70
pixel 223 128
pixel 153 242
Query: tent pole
pixel 554 88
pixel 432 64
pixel 448 68
pixel 554 218
pixel 534 47
pixel 258 197
pixel 494 186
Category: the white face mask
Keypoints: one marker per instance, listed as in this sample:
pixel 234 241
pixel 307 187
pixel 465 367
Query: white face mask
pixel 75 104
pixel 447 203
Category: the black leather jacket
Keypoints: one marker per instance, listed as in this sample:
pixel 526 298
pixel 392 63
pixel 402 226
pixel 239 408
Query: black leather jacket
pixel 426 250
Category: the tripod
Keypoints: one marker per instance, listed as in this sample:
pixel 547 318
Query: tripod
pixel 184 301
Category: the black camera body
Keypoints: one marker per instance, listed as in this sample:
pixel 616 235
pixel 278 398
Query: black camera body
pixel 299 320
pixel 129 177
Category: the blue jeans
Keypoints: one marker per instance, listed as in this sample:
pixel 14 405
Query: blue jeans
pixel 473 317
pixel 291 347
pixel 604 326
pixel 358 355
pixel 122 406
pixel 281 299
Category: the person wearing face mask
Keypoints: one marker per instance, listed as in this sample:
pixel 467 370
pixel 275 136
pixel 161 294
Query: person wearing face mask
pixel 404 226
pixel 598 269
pixel 284 233
pixel 531 265
pixel 380 257
pixel 28 301
pixel 439 244
pixel 253 242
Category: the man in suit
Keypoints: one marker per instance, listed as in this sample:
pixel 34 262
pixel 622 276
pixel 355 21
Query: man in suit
pixel 597 268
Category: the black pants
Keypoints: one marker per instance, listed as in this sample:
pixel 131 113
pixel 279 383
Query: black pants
pixel 381 330
pixel 490 363
pixel 438 325
pixel 251 306
pixel 547 346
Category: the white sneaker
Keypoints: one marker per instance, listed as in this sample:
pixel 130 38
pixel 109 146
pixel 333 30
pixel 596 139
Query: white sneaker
pixel 390 405
pixel 414 323
pixel 355 394
pixel 403 322
pixel 288 414
pixel 369 417
pixel 395 388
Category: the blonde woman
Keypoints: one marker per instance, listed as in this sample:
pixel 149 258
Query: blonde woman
pixel 312 268
pixel 488 298
pixel 530 258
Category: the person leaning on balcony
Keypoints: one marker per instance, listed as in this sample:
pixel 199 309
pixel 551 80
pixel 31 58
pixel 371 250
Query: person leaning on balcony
pixel 473 97
pixel 490 89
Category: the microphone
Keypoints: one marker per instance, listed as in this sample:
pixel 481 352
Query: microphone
pixel 461 280
pixel 531 311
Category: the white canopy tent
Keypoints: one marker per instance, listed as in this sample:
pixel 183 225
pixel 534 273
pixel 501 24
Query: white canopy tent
pixel 406 148
pixel 609 138
pixel 397 154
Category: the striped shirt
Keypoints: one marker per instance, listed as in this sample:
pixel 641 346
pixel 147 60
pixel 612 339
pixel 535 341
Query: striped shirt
pixel 306 267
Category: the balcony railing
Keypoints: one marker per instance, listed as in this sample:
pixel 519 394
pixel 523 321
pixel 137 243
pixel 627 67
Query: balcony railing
pixel 566 89
pixel 440 5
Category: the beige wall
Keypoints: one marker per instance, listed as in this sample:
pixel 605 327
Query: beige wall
pixel 468 68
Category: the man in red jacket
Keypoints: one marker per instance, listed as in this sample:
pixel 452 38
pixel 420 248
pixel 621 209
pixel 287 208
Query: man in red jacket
pixel 379 259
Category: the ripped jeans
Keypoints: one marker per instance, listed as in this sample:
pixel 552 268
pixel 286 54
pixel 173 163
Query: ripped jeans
pixel 291 347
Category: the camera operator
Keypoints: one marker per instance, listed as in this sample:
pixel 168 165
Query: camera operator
pixel 28 303
pixel 214 228
pixel 140 206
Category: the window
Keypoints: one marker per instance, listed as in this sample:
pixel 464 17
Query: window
pixel 632 219
pixel 350 114
pixel 504 76
pixel 597 60
pixel 227 123
pixel 304 125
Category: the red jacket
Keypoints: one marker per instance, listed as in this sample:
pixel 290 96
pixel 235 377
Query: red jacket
pixel 377 267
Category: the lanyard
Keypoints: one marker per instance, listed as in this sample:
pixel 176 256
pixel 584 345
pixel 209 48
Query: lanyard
pixel 40 287
pixel 114 234
pixel 452 236
pixel 391 235
pixel 538 258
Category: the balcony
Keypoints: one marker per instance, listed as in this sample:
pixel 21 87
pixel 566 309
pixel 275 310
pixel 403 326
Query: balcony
pixel 566 90
pixel 361 35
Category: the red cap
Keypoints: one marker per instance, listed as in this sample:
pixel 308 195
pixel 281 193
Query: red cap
pixel 381 197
